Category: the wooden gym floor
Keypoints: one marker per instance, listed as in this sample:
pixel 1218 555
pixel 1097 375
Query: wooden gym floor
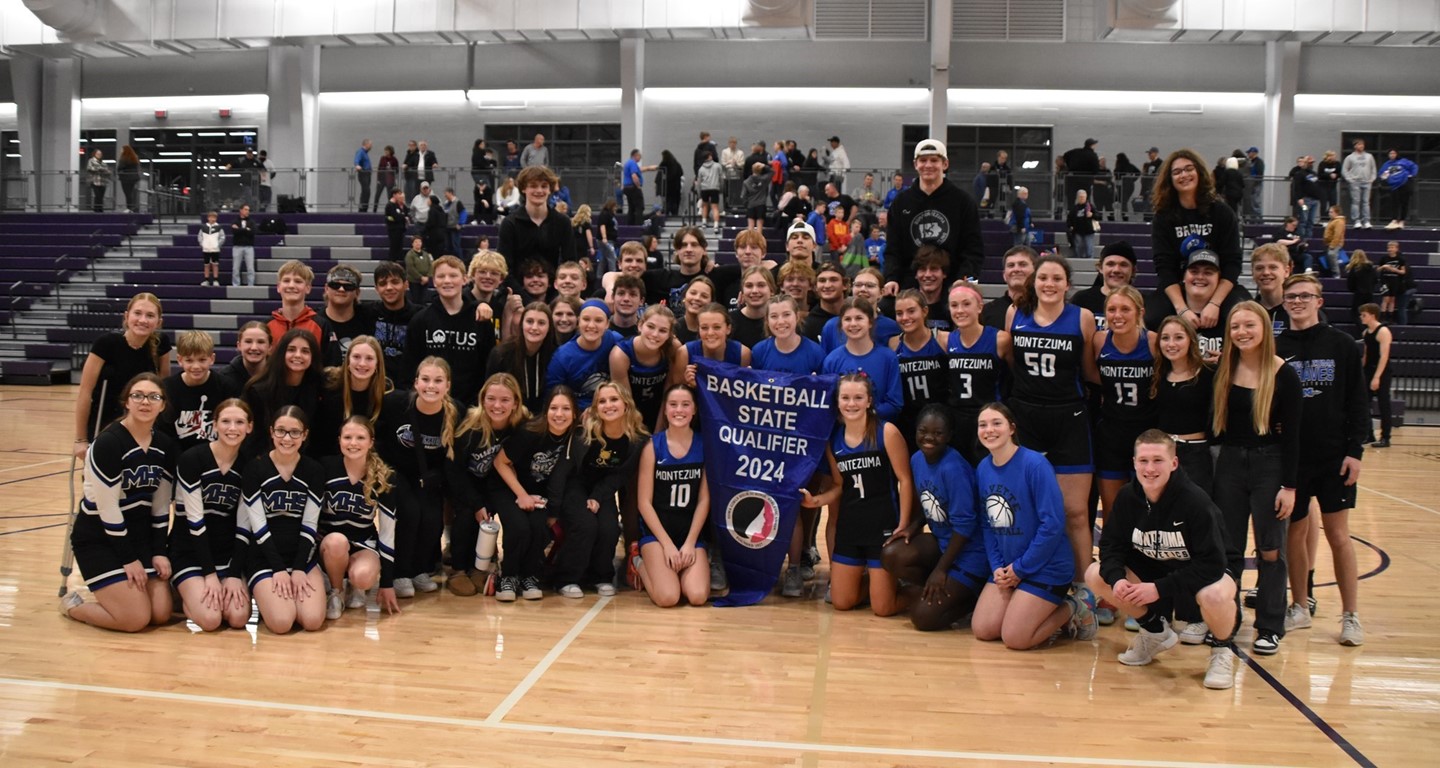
pixel 615 681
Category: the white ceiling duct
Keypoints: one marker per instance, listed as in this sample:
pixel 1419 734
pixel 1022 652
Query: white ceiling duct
pixel 72 19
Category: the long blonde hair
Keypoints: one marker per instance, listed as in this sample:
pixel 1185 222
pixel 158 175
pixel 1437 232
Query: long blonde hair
pixel 1230 357
pixel 339 377
pixel 376 481
pixel 1357 259
pixel 447 430
pixel 595 427
pixel 152 342
pixel 581 217
pixel 477 418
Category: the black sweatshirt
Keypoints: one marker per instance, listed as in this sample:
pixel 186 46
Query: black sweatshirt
pixel 1335 414
pixel 948 218
pixel 551 242
pixel 1180 533
pixel 1284 422
pixel 460 339
pixel 1215 228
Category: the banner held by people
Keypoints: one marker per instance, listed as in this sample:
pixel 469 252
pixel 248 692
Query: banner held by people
pixel 765 435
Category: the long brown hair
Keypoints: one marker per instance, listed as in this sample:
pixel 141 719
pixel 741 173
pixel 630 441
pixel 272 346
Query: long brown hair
pixel 1164 196
pixel 447 430
pixel 1264 396
pixel 872 418
pixel 152 342
pixel 339 378
pixel 477 418
pixel 1029 300
pixel 1193 356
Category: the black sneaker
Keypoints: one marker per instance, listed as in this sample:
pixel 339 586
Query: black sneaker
pixel 1382 443
pixel 1266 644
pixel 1249 599
pixel 1313 604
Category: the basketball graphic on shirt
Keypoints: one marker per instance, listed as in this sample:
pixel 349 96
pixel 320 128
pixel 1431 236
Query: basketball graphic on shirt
pixel 931 505
pixel 999 512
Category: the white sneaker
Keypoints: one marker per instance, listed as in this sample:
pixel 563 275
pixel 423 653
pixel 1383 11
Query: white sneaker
pixel 530 588
pixel 605 590
pixel 792 585
pixel 1194 633
pixel 572 591
pixel 1147 645
pixel 1351 633
pixel 423 583
pixel 72 600
pixel 404 588
pixel 1297 617
pixel 1220 672
pixel 334 605
pixel 357 598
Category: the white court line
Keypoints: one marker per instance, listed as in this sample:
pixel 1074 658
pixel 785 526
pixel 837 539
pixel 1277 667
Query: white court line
pixel 760 744
pixel 1406 502
pixel 32 466
pixel 534 677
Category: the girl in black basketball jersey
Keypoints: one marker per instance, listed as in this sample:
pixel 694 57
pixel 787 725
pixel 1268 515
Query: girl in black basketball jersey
pixel 280 514
pixel 358 521
pixel 526 467
pixel 473 485
pixel 975 356
pixel 1125 355
pixel 674 504
pixel 1052 351
pixel 870 499
pixel 210 581
pixel 921 350
pixel 119 534
pixel 642 364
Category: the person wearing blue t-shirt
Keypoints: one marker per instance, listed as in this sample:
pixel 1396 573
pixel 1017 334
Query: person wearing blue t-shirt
pixel 785 349
pixel 865 285
pixel 950 559
pixel 583 363
pixel 860 354
pixel 1027 597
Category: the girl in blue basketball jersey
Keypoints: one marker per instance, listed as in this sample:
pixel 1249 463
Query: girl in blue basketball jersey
pixel 210 581
pixel 119 534
pixel 1051 352
pixel 362 494
pixel 975 355
pixel 921 353
pixel 1125 355
pixel 950 559
pixel 860 354
pixel 785 349
pixel 714 343
pixel 870 498
pixel 674 505
pixel 642 364
pixel 1026 599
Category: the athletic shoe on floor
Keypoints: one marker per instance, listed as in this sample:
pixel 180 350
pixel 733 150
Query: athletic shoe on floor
pixel 808 561
pixel 1249 598
pixel 605 589
pixel 1131 625
pixel 1147 645
pixel 357 598
pixel 1313 604
pixel 1296 617
pixel 1194 633
pixel 424 583
pixel 505 593
pixel 1266 644
pixel 334 605
pixel 1381 443
pixel 792 585
pixel 632 566
pixel 530 588
pixel 1220 671
pixel 1351 633
pixel 718 582
pixel 1082 618
pixel 572 591
pixel 461 584
pixel 73 600
pixel 404 588
pixel 1105 615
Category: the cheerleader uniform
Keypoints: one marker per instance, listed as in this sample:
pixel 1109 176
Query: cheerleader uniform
pixel 368 526
pixel 1025 524
pixel 1047 399
pixel 467 477
pixel 125 514
pixel 676 490
pixel 974 380
pixel 1126 409
pixel 209 500
pixel 280 517
pixel 923 380
pixel 868 508
pixel 647 383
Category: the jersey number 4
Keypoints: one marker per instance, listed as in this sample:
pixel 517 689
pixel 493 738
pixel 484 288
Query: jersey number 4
pixel 1041 364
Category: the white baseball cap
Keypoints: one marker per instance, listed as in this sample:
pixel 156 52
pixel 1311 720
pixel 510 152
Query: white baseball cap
pixel 800 226
pixel 931 147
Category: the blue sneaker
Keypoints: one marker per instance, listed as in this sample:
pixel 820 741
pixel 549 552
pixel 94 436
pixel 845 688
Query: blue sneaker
pixel 1082 618
pixel 1105 615
pixel 1131 625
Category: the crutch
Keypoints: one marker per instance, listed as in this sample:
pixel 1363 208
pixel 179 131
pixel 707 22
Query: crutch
pixel 67 554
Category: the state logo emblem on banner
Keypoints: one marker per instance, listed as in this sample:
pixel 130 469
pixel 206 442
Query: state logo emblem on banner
pixel 753 519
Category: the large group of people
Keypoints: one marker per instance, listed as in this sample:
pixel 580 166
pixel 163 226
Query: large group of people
pixel 320 469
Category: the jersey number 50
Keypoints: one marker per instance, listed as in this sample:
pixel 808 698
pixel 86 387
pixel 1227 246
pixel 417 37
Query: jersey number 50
pixel 1040 364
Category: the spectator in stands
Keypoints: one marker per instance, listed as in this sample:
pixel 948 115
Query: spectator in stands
pixel 779 171
pixel 363 173
pixel 1293 243
pixel 292 283
pixel 561 194
pixel 875 244
pixel 436 227
pixel 1397 173
pixel 397 220
pixel 1229 184
pixel 536 231
pixel 251 348
pixel 484 211
pixel 385 174
pixel 898 186
pixel 633 187
pixel 1361 279
pixel 795 202
pixel 420 205
pixel 242 247
pixel 1019 218
pixel 669 181
pixel 705 148
pixel 410 169
pixel 839 164
pixel 1305 191
pixel 267 179
pixel 114 359
pixel 1377 339
pixel 937 212
pixel 98 174
pixel 1334 242
pixel 1081 165
pixel 418 263
pixel 512 157
pixel 454 217
pixel 392 317
pixel 709 176
pixel 757 155
pixel 1187 220
pixel 1000 181
pixel 507 197
pixel 482 170
pixel 425 162
pixel 211 237
pixel 980 187
pixel 1359 172
pixel 1081 225
pixel 757 186
pixel 127 170
pixel 837 233
pixel 1399 284
pixel 732 159
pixel 1255 186
pixel 1102 194
pixel 607 238
pixel 1018 265
pixel 1328 172
pixel 868 196
pixel 1126 174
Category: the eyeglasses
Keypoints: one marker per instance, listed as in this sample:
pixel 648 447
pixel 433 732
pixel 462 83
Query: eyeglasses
pixel 140 397
pixel 1182 170
pixel 336 285
pixel 1300 297
pixel 293 434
